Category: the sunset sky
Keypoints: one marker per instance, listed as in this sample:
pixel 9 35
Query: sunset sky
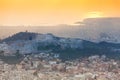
pixel 53 12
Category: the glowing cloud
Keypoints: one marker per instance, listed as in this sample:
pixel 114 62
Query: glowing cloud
pixel 94 15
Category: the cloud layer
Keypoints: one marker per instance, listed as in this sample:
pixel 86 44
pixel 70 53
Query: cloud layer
pixel 95 29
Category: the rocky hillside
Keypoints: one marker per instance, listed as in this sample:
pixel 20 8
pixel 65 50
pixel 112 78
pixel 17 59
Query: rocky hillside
pixel 68 48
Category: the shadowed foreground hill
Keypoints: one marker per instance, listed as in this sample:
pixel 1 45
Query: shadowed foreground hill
pixel 68 48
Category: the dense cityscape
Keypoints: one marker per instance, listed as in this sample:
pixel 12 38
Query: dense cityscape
pixel 46 67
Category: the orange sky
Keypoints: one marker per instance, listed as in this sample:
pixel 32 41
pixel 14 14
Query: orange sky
pixel 52 12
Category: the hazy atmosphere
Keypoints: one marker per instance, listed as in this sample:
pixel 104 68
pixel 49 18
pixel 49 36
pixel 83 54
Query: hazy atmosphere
pixel 88 29
pixel 62 17
pixel 59 40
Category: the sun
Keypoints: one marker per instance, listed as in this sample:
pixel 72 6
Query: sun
pixel 94 15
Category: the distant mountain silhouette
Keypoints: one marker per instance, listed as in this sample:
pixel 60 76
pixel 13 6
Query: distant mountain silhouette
pixel 20 36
